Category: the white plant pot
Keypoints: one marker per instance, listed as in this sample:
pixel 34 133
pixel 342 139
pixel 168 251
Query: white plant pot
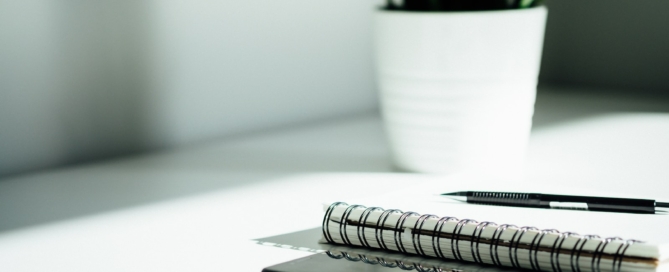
pixel 457 89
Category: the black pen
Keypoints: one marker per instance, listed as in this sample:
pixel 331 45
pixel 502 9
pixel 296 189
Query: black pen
pixel 533 200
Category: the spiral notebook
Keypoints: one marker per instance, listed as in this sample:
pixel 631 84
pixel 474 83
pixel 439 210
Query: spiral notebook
pixel 525 238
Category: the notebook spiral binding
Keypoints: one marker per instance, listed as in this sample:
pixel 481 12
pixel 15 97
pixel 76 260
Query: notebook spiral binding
pixel 474 248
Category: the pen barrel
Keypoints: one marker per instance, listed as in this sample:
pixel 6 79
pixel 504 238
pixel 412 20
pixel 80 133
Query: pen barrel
pixel 608 204
pixel 505 199
pixel 604 204
pixel 621 208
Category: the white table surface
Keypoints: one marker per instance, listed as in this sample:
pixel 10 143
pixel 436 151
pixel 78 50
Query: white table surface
pixel 196 208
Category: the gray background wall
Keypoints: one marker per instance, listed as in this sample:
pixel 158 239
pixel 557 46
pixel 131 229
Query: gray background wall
pixel 608 44
pixel 87 80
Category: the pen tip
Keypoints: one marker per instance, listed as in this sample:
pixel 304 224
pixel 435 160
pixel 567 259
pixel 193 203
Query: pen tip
pixel 455 194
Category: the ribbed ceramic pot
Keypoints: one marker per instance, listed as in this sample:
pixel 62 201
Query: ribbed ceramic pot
pixel 457 89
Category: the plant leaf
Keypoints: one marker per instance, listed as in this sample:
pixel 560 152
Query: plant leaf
pixel 526 3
